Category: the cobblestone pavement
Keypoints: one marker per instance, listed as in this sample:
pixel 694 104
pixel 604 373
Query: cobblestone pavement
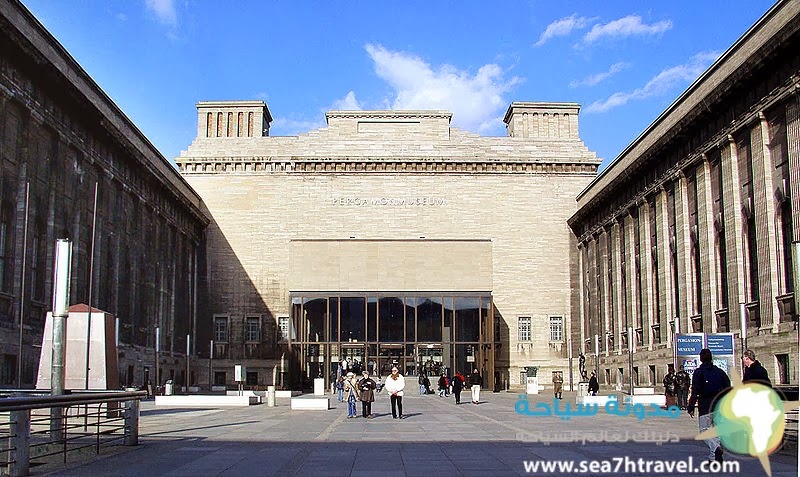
pixel 436 437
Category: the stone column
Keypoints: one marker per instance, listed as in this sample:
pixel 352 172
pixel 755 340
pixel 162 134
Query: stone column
pixel 765 215
pixel 646 269
pixel 793 139
pixel 708 256
pixel 685 309
pixel 665 279
pixel 734 227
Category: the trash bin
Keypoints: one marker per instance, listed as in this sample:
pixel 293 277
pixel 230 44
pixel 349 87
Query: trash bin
pixel 169 388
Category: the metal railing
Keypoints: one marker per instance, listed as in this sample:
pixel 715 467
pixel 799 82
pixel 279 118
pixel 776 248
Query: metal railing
pixel 45 429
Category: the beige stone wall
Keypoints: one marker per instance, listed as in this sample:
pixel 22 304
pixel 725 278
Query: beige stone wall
pixel 524 216
pixel 408 265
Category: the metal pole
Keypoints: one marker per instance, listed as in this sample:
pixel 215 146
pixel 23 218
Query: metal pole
pixel 631 345
pixel 597 357
pixel 211 367
pixel 158 348
pixel 91 275
pixel 22 287
pixel 569 344
pixel 796 266
pixel 188 347
pixel 61 282
pixel 743 330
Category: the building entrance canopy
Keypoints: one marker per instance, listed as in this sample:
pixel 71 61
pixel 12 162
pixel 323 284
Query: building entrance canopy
pixel 419 333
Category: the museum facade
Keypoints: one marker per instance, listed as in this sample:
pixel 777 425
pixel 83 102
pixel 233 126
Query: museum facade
pixel 388 238
pixel 690 228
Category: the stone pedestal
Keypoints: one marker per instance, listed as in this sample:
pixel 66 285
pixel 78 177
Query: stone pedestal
pixel 103 365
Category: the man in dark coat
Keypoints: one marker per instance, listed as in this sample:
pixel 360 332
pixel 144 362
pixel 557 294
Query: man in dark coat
pixel 458 385
pixel 594 386
pixel 669 385
pixel 476 380
pixel 708 382
pixel 366 394
pixel 753 371
pixel 682 382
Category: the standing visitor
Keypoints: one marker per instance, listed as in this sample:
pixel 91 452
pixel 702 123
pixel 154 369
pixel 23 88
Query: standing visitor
pixel 458 385
pixel 421 381
pixel 366 394
pixel 682 382
pixel 476 381
pixel 340 388
pixel 708 381
pixel 753 371
pixel 594 386
pixel 558 382
pixel 669 385
pixel 350 392
pixel 394 385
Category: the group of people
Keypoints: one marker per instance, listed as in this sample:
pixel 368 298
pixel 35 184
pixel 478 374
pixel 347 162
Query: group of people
pixel 676 386
pixel 709 382
pixel 455 384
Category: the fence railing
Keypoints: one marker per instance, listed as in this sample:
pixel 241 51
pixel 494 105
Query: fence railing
pixel 45 429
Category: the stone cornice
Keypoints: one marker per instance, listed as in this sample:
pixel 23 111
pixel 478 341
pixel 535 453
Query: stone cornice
pixel 266 165
pixel 394 115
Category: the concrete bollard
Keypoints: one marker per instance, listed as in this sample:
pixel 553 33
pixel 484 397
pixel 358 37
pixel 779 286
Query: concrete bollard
pixel 270 396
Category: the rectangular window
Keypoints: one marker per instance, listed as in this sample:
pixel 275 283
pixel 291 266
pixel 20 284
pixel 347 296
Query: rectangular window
pixel 556 328
pixel 524 327
pixel 283 328
pixel 221 329
pixel 253 329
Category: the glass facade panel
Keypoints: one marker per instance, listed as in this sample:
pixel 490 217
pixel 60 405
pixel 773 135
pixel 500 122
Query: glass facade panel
pixel 449 317
pixel 372 319
pixel 333 322
pixel 353 319
pixel 467 319
pixel 315 311
pixel 391 320
pixel 429 319
pixel 411 313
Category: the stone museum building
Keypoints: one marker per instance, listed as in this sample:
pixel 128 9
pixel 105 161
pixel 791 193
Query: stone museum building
pixel 392 238
pixel 690 228
pixel 62 138
pixel 388 238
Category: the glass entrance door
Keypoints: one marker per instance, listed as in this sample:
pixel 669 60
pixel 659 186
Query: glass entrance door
pixel 430 359
pixel 390 355
pixel 355 356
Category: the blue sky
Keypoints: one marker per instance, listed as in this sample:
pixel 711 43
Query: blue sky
pixel 623 61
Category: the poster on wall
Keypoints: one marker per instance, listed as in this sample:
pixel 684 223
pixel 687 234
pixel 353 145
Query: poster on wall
pixel 687 350
pixel 721 345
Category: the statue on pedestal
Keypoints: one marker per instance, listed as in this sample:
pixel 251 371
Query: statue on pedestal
pixel 582 367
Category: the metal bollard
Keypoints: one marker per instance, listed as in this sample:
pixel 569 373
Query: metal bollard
pixel 270 396
pixel 132 422
pixel 19 458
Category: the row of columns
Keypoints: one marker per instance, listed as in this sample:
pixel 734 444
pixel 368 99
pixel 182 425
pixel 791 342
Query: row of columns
pixel 610 286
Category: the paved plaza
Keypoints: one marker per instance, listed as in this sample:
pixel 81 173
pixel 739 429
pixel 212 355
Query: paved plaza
pixel 436 438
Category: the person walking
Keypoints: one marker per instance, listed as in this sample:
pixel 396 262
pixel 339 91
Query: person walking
pixel 669 385
pixel 476 381
pixel 558 382
pixel 340 388
pixel 350 392
pixel 421 381
pixel 394 385
pixel 754 372
pixel 594 386
pixel 458 385
pixel 442 385
pixel 708 381
pixel 682 382
pixel 366 394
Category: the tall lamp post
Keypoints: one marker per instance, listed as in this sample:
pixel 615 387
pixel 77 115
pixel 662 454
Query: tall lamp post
pixel 631 345
pixel 597 357
pixel 796 266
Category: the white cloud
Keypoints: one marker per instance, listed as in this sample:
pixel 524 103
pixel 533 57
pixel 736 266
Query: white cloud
pixel 164 11
pixel 594 79
pixel 661 84
pixel 627 26
pixel 348 103
pixel 475 100
pixel 562 27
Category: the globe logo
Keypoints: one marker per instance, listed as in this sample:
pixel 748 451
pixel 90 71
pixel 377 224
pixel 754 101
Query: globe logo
pixel 749 420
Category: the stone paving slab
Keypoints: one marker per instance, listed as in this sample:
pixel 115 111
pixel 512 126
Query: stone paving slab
pixel 436 438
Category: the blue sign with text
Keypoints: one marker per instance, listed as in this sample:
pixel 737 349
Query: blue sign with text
pixel 720 344
pixel 689 345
